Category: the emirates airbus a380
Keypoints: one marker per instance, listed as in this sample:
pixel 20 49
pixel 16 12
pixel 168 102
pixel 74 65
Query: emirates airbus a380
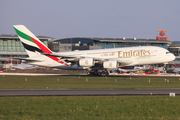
pixel 97 62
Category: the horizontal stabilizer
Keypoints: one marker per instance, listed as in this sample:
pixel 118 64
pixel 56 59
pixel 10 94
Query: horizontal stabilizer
pixel 28 59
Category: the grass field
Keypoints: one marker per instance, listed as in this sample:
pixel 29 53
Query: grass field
pixel 85 82
pixel 89 107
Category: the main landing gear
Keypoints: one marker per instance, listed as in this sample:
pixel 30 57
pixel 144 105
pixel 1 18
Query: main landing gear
pixel 99 73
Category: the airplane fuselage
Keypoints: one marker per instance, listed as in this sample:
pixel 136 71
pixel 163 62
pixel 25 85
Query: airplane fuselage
pixel 128 56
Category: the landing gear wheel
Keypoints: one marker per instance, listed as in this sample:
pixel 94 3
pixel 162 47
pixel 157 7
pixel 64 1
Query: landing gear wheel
pixel 99 73
pixel 106 73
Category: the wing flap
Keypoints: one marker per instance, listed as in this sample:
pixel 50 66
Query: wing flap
pixel 126 62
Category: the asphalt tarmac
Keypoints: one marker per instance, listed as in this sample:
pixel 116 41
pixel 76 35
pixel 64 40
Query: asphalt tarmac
pixel 86 92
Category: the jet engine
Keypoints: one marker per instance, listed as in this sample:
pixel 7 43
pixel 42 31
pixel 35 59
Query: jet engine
pixel 110 65
pixel 86 62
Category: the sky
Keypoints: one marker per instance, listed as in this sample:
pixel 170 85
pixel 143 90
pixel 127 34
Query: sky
pixel 92 18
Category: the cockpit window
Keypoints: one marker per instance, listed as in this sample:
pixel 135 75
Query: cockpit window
pixel 168 52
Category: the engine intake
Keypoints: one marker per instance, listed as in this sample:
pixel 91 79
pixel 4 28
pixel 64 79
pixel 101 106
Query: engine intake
pixel 86 62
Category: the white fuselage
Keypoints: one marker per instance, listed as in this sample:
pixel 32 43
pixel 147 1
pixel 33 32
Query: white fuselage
pixel 128 56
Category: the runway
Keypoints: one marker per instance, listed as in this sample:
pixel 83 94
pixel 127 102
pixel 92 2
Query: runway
pixel 85 92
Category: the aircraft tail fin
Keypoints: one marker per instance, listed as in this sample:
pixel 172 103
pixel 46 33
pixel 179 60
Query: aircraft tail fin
pixel 31 43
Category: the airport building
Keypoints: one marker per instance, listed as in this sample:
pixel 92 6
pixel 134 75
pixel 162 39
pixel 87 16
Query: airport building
pixel 82 43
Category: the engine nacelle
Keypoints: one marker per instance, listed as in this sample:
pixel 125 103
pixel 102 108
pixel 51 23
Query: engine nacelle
pixel 86 62
pixel 110 65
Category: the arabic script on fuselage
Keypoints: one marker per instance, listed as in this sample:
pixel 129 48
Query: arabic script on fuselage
pixel 108 54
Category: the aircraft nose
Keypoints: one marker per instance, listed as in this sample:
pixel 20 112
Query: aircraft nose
pixel 172 57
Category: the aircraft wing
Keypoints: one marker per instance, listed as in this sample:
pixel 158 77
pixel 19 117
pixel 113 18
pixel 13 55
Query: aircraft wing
pixel 70 57
pixel 75 58
pixel 62 56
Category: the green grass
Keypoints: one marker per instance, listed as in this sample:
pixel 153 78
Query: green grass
pixel 76 82
pixel 90 107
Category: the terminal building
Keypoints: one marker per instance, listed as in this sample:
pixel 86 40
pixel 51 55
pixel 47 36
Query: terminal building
pixel 82 43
